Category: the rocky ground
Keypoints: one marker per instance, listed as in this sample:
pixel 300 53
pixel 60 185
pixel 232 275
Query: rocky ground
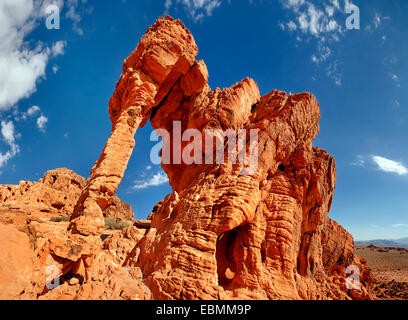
pixel 35 246
pixel 389 266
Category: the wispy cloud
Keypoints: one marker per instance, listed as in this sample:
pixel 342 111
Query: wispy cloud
pixel 41 123
pixel 33 111
pixel 7 132
pixel 23 116
pixel 377 21
pixel 9 135
pixel 322 22
pixel 58 48
pixel 359 162
pixel 324 52
pixel 21 66
pixel 196 9
pixel 396 79
pixel 380 163
pixel 400 225
pixel 335 72
pixel 391 60
pixel 23 62
pixel 156 180
pixel 390 166
pixel 73 13
pixel 316 20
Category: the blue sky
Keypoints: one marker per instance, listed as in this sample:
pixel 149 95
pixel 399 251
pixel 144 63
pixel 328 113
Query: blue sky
pixel 55 86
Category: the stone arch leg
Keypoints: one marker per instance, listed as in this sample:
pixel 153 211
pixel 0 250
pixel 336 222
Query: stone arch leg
pixel 106 175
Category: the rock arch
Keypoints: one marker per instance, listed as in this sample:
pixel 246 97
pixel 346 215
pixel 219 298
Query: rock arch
pixel 276 219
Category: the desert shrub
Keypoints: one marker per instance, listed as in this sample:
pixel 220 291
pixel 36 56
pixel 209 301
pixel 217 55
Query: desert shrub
pixel 59 219
pixel 33 240
pixel 116 224
pixel 31 234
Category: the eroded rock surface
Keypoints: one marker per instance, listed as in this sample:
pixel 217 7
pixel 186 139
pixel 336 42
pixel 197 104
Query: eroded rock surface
pixel 36 246
pixel 164 53
pixel 222 233
pixel 57 192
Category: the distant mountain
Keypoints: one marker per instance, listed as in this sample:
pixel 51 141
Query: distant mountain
pixel 384 243
pixel 404 240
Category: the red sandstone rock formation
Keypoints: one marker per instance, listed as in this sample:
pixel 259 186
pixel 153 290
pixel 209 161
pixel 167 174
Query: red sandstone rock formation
pixel 221 234
pixel 35 239
pixel 164 53
pixel 16 268
pixel 58 192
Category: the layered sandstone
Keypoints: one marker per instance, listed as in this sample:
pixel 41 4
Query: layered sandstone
pixel 164 53
pixel 57 192
pixel 35 246
pixel 225 232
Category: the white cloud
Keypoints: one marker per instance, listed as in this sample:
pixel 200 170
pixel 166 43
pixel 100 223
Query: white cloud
pixel 42 122
pixel 391 60
pixel 377 20
pixel 375 24
pixel 72 13
pixel 294 4
pixel 314 19
pixel 291 26
pixel 335 72
pixel 359 162
pixel 388 165
pixel 4 158
pixel 9 136
pixel 383 39
pixel 23 61
pixel 396 79
pixel 58 48
pixel 324 52
pixel 197 9
pixel 33 110
pixel 400 225
pixel 22 65
pixel 157 180
pixel 321 21
pixel 7 132
pixel 55 68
